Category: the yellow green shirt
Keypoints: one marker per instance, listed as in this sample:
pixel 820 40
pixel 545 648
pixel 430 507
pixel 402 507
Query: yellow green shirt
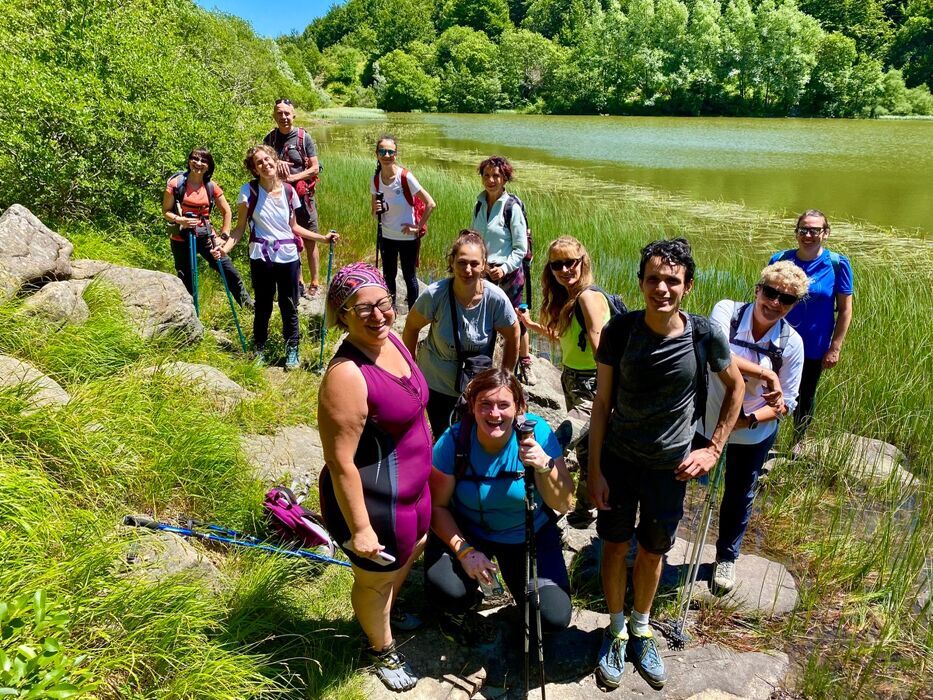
pixel 571 354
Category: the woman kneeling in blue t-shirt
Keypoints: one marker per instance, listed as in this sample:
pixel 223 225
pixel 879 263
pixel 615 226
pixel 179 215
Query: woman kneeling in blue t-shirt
pixel 478 508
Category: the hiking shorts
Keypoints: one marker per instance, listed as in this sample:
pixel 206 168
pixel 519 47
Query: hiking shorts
pixel 306 214
pixel 655 495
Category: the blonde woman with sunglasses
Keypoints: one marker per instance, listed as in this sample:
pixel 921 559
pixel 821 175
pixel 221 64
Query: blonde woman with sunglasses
pixel 567 284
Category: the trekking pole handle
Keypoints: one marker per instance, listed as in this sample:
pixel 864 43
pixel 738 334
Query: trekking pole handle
pixel 141 521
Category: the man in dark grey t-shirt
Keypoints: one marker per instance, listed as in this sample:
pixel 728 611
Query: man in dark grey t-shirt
pixel 650 396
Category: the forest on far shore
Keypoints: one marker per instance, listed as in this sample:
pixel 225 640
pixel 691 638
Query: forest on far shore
pixel 830 58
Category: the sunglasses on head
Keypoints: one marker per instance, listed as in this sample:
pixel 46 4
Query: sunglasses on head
pixel 772 293
pixel 386 151
pixel 283 101
pixel 561 265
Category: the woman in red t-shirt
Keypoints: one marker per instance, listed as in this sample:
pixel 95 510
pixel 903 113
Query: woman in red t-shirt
pixel 189 198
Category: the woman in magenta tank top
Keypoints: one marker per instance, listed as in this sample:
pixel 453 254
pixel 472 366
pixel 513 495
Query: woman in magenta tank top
pixel 377 452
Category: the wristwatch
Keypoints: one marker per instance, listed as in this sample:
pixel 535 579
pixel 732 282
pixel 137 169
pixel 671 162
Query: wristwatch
pixel 546 469
pixel 752 421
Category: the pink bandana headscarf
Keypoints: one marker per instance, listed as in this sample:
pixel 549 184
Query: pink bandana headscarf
pixel 352 278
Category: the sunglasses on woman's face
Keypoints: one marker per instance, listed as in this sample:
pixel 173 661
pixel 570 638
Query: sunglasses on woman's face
pixel 198 159
pixel 772 294
pixel 561 265
pixel 810 230
pixel 385 151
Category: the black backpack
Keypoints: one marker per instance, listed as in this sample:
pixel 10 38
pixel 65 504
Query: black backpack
pixel 617 307
pixel 775 352
pixel 702 335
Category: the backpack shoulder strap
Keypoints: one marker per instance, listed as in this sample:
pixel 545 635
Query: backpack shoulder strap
pixel 289 193
pixel 834 260
pixel 301 145
pixel 476 208
pixel 736 321
pixel 462 444
pixel 178 189
pixel 406 190
pixel 211 195
pixel 702 334
pixel 507 211
pixel 578 314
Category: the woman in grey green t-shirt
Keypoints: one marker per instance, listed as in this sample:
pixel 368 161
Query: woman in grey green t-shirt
pixel 482 310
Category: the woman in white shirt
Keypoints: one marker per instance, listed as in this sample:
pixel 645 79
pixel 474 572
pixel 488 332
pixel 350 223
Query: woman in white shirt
pixel 405 207
pixel 769 354
pixel 267 205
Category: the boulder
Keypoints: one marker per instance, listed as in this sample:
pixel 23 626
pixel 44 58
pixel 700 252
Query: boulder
pixel 762 586
pixel 865 458
pixel 30 252
pixel 495 670
pixel 546 396
pixel 44 391
pixel 294 451
pixel 157 303
pixel 60 302
pixel 225 392
pixel 84 269
pixel 156 556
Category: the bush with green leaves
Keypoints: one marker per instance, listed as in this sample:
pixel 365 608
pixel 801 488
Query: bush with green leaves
pixel 33 659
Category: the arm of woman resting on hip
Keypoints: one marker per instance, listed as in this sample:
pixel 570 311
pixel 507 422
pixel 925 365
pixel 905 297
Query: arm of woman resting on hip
pixel 342 415
pixel 414 322
pixel 474 562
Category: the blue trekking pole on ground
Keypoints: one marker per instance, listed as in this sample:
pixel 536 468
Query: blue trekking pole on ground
pixel 330 267
pixel 229 537
pixel 193 257
pixel 223 279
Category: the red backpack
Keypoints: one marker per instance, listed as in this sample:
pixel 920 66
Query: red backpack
pixel 416 203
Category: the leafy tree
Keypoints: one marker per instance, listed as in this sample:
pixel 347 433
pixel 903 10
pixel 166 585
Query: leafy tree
pixel 788 53
pixel 703 49
pixel 343 68
pixel 397 23
pixel 527 63
pixel 741 49
pixel 546 17
pixel 828 92
pixel 863 20
pixel 468 71
pixel 912 50
pixel 402 85
pixel 489 16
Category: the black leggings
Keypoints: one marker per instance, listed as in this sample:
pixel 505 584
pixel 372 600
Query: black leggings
pixel 181 253
pixel 440 407
pixel 450 589
pixel 267 278
pixel 803 414
pixel 407 253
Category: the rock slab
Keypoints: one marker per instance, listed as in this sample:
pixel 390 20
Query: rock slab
pixel 156 556
pixel 866 458
pixel 45 391
pixel 61 302
pixel 157 303
pixel 294 451
pixel 30 251
pixel 223 390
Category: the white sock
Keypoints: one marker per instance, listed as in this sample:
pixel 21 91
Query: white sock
pixel 617 624
pixel 639 623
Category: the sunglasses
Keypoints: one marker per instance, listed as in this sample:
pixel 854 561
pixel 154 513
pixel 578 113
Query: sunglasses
pixel 283 101
pixel 561 265
pixel 772 294
pixel 364 311
pixel 386 151
pixel 198 159
pixel 811 230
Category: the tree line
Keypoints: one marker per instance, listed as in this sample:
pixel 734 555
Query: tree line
pixel 833 58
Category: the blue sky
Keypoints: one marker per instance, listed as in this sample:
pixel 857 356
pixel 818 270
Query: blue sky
pixel 272 19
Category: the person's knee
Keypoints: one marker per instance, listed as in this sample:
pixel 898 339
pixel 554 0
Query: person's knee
pixel 441 581
pixel 555 608
pixel 615 550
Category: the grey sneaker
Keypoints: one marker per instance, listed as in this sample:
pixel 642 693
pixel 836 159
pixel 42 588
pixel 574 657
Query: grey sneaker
pixel 292 360
pixel 391 668
pixel 724 575
pixel 611 666
pixel 525 373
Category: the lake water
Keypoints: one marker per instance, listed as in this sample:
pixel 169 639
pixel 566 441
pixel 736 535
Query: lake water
pixel 875 171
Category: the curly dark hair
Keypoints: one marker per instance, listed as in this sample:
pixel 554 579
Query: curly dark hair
pixel 673 252
pixel 505 167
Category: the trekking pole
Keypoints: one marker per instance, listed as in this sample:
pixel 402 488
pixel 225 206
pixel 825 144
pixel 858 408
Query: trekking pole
pixel 330 267
pixel 532 592
pixel 223 279
pixel 230 537
pixel 193 257
pixel 380 197
pixel 679 635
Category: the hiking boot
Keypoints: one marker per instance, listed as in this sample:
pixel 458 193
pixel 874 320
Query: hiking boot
pixel 391 668
pixel 467 629
pixel 292 360
pixel 611 666
pixel 581 518
pixel 724 576
pixel 644 654
pixel 404 621
pixel 525 373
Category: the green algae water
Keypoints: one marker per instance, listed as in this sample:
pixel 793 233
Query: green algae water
pixel 874 172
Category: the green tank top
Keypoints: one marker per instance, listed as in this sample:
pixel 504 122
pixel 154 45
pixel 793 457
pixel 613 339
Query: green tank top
pixel 572 356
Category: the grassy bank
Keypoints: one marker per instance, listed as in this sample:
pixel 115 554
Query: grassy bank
pixel 131 444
